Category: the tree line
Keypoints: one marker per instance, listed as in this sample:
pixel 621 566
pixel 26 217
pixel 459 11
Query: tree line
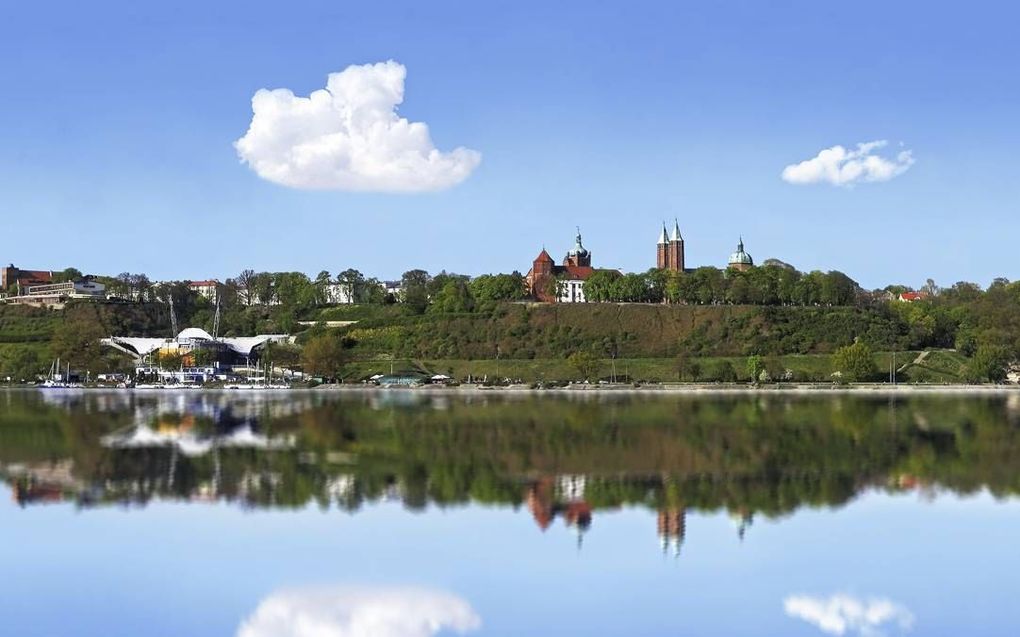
pixel 771 284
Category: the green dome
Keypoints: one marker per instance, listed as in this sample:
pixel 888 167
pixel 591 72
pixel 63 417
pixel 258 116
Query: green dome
pixel 579 250
pixel 740 257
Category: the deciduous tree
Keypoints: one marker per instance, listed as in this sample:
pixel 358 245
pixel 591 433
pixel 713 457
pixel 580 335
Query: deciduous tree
pixel 324 356
pixel 855 362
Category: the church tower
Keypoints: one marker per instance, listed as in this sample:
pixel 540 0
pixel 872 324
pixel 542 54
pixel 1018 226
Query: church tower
pixel 670 249
pixel 579 256
pixel 662 250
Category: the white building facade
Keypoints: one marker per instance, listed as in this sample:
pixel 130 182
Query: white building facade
pixel 570 291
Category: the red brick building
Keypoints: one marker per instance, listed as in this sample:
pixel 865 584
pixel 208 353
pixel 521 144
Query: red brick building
pixel 11 275
pixel 564 283
pixel 670 250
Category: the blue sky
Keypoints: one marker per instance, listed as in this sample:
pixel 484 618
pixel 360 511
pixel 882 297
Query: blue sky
pixel 177 569
pixel 118 122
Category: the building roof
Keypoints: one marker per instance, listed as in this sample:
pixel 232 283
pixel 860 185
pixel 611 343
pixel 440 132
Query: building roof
pixel 912 296
pixel 578 249
pixel 544 257
pixel 577 272
pixel 676 232
pixel 740 257
pixel 207 283
pixel 194 332
pixel 663 238
pixel 45 275
pixel 141 346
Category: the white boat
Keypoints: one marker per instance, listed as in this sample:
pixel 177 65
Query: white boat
pixel 49 383
pixel 255 387
pixel 58 380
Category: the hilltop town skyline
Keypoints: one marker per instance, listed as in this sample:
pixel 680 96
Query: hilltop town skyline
pixel 571 270
pixel 612 118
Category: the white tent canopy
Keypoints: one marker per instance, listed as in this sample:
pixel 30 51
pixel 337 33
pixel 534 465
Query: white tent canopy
pixel 140 347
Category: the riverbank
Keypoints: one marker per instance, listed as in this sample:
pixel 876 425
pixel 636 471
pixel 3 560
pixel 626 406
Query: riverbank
pixel 584 389
pixel 688 388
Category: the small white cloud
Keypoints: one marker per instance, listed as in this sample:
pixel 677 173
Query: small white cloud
pixel 842 167
pixel 844 614
pixel 359 612
pixel 348 136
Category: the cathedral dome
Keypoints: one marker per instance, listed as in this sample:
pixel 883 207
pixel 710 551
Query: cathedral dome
pixel 740 257
pixel 578 254
pixel 578 249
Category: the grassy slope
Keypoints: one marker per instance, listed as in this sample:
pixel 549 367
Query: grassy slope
pixel 26 329
pixel 534 340
pixel 521 331
pixel 939 366
pixel 805 367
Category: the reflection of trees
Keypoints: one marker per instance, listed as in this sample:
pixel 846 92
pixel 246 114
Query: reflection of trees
pixel 768 454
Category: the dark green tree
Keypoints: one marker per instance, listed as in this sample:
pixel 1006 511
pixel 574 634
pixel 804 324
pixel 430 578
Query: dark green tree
pixel 989 364
pixel 414 290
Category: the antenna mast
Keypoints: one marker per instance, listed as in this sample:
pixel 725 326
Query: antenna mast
pixel 173 317
pixel 216 320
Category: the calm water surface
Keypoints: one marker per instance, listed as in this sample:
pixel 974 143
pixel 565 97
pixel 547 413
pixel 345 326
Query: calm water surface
pixel 402 514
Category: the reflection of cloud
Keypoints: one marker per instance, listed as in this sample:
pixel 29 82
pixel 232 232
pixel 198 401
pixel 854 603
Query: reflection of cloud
pixel 359 612
pixel 842 614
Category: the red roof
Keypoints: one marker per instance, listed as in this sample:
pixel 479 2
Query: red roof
pixel 578 272
pixel 196 284
pixel 912 296
pixel 544 257
pixel 44 275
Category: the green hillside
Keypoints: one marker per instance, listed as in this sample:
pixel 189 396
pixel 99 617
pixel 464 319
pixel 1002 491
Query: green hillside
pixel 528 331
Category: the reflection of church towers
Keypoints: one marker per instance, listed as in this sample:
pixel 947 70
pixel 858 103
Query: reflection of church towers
pixel 742 519
pixel 540 502
pixel 562 495
pixel 670 250
pixel 672 528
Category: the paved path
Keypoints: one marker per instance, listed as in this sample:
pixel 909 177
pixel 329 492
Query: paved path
pixel 917 361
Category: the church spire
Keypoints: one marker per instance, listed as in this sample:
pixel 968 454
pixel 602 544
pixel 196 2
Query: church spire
pixel 676 231
pixel 663 238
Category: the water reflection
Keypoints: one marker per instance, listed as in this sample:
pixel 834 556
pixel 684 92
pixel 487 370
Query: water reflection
pixel 843 614
pixel 562 459
pixel 502 489
pixel 360 612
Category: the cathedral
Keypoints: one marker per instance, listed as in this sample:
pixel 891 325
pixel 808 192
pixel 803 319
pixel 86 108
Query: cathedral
pixel 670 250
pixel 564 283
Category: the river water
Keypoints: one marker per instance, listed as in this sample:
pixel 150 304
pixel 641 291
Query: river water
pixel 405 514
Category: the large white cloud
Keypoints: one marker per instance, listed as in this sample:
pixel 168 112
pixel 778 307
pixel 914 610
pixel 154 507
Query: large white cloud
pixel 844 614
pixel 359 612
pixel 842 167
pixel 348 136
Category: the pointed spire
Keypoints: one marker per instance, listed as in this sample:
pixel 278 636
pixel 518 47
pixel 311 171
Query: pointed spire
pixel 676 231
pixel 663 238
pixel 740 245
